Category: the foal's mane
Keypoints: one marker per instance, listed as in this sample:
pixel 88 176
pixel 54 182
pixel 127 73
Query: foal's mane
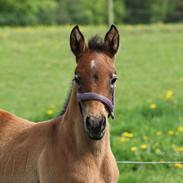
pixel 66 102
pixel 96 43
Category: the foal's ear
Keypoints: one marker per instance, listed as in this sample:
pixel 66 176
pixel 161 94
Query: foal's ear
pixel 111 41
pixel 77 42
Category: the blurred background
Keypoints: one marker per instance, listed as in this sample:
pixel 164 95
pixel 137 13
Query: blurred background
pixel 37 67
pixel 31 12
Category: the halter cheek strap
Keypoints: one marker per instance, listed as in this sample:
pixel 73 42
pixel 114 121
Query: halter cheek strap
pixel 94 96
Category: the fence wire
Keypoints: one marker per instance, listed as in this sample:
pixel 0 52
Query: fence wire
pixel 149 162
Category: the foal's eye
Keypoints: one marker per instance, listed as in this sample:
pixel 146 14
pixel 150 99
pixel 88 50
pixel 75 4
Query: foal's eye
pixel 77 80
pixel 113 80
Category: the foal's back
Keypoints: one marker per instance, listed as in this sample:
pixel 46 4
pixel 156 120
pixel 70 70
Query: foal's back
pixel 21 143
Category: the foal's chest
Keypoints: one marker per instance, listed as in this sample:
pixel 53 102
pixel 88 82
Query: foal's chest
pixel 71 173
pixel 82 172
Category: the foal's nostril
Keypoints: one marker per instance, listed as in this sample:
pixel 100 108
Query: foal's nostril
pixel 88 123
pixel 103 123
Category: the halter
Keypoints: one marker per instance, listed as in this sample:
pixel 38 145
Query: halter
pixel 94 96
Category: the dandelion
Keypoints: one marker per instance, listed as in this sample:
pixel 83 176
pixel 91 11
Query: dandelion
pixel 180 129
pixel 178 165
pixel 179 149
pixel 128 135
pixel 133 149
pixel 171 132
pixel 143 146
pixel 50 112
pixel 123 139
pixel 169 95
pixel 153 106
pixel 158 133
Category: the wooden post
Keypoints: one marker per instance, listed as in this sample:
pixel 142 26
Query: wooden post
pixel 110 12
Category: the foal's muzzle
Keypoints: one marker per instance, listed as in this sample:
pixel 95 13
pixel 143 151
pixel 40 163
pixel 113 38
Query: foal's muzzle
pixel 95 127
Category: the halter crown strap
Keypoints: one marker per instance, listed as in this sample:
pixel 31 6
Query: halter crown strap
pixel 94 96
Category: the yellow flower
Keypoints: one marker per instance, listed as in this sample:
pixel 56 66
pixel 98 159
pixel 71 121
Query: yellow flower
pixel 153 106
pixel 50 112
pixel 169 95
pixel 180 129
pixel 171 132
pixel 128 135
pixel 158 133
pixel 179 149
pixel 123 139
pixel 133 149
pixel 178 165
pixel 143 146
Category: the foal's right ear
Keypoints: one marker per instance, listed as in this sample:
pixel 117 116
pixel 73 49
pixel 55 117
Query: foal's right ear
pixel 111 41
pixel 77 42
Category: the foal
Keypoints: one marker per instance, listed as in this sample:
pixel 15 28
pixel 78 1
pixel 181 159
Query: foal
pixel 74 147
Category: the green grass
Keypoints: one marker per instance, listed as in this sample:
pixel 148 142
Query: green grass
pixel 36 69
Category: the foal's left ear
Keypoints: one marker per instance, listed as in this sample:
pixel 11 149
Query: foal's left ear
pixel 77 42
pixel 111 41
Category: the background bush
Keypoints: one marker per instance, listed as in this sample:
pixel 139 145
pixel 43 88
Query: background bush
pixel 30 12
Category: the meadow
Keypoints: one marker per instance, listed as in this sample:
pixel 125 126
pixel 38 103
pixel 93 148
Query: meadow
pixel 36 70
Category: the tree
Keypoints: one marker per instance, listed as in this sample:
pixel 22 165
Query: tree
pixel 159 10
pixel 24 12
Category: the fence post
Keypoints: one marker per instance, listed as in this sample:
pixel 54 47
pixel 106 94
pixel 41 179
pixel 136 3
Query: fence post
pixel 110 12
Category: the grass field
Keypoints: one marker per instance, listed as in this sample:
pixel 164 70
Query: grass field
pixel 36 69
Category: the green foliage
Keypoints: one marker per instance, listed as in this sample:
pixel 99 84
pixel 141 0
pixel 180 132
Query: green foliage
pixel 23 12
pixel 119 11
pixel 30 12
pixel 82 12
pixel 140 11
pixel 160 9
pixel 176 15
pixel 137 11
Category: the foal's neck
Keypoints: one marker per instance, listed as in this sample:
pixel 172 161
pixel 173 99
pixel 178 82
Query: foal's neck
pixel 73 126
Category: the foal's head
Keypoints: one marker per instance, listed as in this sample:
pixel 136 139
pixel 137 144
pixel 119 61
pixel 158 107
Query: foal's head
pixel 95 77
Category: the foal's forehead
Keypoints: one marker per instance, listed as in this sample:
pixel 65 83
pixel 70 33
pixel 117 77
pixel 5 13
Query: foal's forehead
pixel 95 62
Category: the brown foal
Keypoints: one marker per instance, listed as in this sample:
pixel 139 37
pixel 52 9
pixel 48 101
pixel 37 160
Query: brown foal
pixel 74 147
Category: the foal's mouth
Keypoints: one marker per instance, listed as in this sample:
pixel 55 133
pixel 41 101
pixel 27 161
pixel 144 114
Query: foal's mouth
pixel 95 127
pixel 96 137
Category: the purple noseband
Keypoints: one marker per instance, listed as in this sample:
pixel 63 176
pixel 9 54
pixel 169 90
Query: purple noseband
pixel 94 96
